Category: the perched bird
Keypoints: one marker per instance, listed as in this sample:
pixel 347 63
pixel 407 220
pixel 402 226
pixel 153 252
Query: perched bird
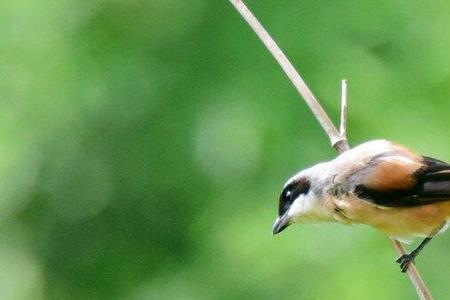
pixel 378 183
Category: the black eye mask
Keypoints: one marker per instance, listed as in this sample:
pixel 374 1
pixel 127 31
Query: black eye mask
pixel 290 193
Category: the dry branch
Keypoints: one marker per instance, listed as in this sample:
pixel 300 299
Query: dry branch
pixel 344 109
pixel 338 138
pixel 321 116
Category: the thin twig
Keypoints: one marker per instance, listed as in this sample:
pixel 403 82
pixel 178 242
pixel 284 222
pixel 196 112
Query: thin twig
pixel 344 109
pixel 337 141
pixel 294 76
pixel 421 288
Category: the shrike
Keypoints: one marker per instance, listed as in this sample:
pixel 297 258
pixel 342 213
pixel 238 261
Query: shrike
pixel 378 183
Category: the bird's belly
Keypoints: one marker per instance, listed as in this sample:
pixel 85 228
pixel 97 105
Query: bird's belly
pixel 402 223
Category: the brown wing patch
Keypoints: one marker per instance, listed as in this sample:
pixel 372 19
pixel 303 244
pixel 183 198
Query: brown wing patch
pixel 400 182
pixel 393 173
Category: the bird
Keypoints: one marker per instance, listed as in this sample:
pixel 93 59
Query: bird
pixel 377 183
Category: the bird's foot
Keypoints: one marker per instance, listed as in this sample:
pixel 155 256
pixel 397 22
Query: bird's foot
pixel 405 260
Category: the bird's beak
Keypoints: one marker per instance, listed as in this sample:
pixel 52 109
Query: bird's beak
pixel 280 224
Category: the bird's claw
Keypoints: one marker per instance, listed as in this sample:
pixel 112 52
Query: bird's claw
pixel 404 261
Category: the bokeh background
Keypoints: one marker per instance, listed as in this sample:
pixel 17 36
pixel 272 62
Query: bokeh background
pixel 143 145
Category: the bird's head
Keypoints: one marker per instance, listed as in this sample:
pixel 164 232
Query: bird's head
pixel 296 200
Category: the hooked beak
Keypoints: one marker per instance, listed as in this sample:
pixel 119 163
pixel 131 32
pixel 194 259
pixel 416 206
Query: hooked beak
pixel 280 224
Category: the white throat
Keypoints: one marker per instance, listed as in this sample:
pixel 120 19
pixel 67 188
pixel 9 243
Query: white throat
pixel 308 208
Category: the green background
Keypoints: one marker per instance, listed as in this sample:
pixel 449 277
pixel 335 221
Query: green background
pixel 143 145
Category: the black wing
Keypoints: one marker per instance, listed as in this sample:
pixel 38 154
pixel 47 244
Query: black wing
pixel 428 184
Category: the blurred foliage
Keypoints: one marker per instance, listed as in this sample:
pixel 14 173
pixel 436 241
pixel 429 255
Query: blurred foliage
pixel 144 144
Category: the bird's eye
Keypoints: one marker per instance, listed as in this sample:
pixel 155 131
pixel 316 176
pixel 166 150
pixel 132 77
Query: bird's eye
pixel 286 199
pixel 290 193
